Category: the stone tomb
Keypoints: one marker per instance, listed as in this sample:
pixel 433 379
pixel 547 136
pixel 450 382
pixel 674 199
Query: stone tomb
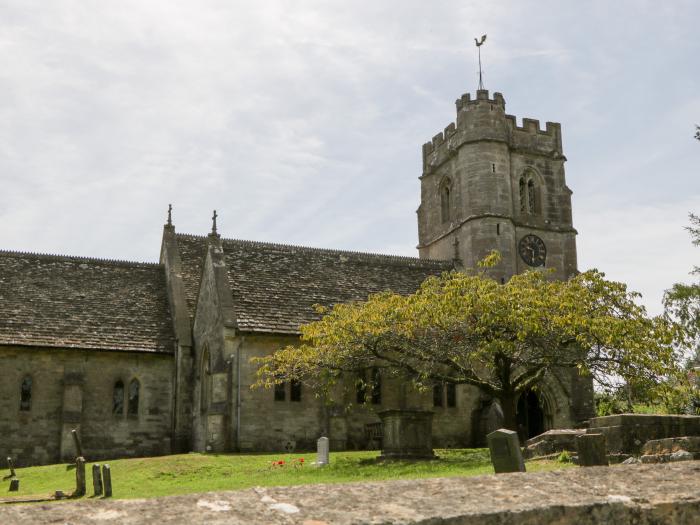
pixel 552 442
pixel 671 449
pixel 505 451
pixel 591 450
pixel 407 434
pixel 627 433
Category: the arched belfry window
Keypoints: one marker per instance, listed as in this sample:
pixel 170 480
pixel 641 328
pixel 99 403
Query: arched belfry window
pixel 445 200
pixel 529 194
pixel 133 406
pixel 25 394
pixel 118 398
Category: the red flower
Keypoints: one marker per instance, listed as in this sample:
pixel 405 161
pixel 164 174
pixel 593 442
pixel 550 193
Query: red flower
pixel 280 462
pixel 301 460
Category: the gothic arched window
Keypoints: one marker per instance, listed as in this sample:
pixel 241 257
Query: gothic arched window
pixel 445 200
pixel 118 398
pixel 25 394
pixel 295 390
pixel 531 201
pixel 523 199
pixel 133 407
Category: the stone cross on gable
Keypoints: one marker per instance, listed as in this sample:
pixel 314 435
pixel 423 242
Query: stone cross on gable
pixel 213 222
pixel 170 214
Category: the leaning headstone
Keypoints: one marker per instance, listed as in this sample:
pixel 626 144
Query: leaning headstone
pixel 107 480
pixel 591 450
pixel 14 485
pixel 322 451
pixel 78 444
pixel 505 451
pixel 79 477
pixel 11 466
pixel 96 480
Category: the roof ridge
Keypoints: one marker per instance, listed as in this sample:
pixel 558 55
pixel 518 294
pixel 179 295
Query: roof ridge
pixel 118 262
pixel 365 255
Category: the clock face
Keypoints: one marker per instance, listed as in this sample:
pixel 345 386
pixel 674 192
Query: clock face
pixel 532 250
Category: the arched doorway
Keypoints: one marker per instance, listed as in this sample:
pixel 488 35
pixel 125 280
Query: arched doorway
pixel 530 415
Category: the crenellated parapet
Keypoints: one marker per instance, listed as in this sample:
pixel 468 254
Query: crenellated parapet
pixel 485 119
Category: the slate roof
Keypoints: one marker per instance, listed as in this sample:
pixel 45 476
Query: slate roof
pixel 275 286
pixel 74 302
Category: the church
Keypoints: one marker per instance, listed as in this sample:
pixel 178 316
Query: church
pixel 155 358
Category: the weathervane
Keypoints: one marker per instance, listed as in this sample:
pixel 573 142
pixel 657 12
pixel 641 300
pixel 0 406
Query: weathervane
pixel 478 46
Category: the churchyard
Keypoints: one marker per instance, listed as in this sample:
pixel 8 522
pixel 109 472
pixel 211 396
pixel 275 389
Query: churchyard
pixel 194 472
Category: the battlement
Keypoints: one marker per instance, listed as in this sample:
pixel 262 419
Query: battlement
pixel 484 119
pixel 482 96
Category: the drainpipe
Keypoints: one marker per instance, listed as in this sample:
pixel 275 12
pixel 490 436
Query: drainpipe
pixel 238 394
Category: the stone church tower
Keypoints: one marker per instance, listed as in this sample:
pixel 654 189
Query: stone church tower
pixel 489 184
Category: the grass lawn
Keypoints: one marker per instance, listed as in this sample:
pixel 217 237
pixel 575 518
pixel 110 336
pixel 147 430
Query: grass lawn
pixel 187 473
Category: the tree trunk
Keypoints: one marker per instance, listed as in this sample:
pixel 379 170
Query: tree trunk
pixel 508 405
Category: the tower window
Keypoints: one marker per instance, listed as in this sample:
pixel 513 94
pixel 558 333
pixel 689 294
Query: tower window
pixel 295 390
pixel 118 398
pixel 529 194
pixel 25 394
pixel 445 200
pixel 134 388
pixel 498 228
pixel 493 168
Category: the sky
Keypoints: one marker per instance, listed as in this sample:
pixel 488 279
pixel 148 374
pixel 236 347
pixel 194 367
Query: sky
pixel 302 122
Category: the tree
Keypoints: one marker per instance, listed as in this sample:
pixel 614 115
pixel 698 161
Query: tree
pixel 468 329
pixel 682 303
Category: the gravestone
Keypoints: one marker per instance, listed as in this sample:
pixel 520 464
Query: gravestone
pixel 79 477
pixel 505 451
pixel 107 481
pixel 11 466
pixel 96 480
pixel 322 451
pixel 591 450
pixel 14 485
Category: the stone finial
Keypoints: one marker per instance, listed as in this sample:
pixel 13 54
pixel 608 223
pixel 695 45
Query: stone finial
pixel 170 215
pixel 213 223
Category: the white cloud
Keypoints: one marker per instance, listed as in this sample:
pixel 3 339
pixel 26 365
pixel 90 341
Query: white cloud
pixel 302 121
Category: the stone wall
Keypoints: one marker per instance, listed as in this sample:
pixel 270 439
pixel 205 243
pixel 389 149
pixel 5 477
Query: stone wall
pixel 74 389
pixel 623 495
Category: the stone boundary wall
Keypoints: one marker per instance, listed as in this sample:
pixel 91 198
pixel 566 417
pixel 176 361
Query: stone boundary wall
pixel 623 495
